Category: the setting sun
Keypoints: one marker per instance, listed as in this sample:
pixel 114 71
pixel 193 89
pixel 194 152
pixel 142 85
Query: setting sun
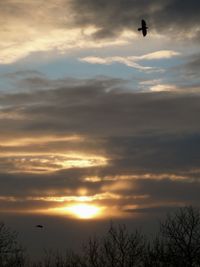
pixel 84 211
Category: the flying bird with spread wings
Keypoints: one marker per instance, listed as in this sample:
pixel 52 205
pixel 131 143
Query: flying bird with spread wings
pixel 143 28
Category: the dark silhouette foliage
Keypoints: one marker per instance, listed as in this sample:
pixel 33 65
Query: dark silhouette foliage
pixel 181 237
pixel 117 249
pixel 178 243
pixel 11 253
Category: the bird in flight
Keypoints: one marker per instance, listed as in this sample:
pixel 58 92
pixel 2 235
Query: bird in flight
pixel 39 226
pixel 143 28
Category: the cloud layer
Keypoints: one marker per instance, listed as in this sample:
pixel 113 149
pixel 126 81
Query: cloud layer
pixel 63 26
pixel 97 142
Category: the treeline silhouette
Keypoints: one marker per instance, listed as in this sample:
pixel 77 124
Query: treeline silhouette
pixel 177 244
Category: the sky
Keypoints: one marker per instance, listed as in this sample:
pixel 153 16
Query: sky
pixel 97 122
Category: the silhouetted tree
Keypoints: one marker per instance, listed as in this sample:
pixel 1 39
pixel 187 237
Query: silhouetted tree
pixel 181 235
pixel 156 254
pixel 117 249
pixel 11 253
pixel 178 244
pixel 56 259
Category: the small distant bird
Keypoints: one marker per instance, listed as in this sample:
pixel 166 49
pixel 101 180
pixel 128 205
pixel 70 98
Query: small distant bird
pixel 144 28
pixel 39 226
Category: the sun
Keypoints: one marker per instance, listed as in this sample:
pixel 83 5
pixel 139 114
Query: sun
pixel 84 211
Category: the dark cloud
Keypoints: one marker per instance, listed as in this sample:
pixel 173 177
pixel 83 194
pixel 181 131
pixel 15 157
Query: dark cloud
pixel 155 209
pixel 95 108
pixel 172 191
pixel 192 67
pixel 158 154
pixel 63 183
pixel 111 17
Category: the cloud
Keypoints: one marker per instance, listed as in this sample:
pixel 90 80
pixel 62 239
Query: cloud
pixel 130 61
pixel 96 139
pixel 57 40
pixel 37 27
pixel 180 20
pixel 163 54
pixel 163 88
pixel 191 67
pixel 65 26
pixel 100 107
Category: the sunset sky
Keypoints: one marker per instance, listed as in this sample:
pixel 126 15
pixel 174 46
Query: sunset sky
pixel 96 121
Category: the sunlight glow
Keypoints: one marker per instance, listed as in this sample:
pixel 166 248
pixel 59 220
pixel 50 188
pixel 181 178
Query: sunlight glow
pixel 84 211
